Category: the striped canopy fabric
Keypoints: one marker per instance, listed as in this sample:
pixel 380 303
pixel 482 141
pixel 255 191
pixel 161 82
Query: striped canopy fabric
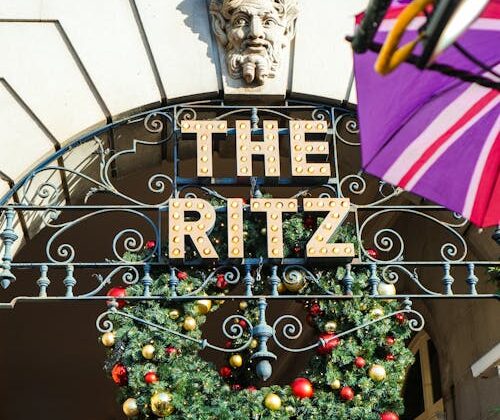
pixel 433 134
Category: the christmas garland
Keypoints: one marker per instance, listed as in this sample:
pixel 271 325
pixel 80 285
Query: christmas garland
pixel 358 376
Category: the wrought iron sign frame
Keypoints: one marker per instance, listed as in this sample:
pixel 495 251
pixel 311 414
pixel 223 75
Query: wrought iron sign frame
pixel 43 199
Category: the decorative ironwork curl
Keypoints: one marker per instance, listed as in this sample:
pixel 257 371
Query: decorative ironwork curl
pixel 231 274
pixel 392 277
pixel 129 277
pixel 351 126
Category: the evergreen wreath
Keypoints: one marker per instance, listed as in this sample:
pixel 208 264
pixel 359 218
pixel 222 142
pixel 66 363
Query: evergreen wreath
pixel 355 376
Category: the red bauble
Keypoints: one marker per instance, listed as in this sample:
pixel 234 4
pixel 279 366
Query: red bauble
pixel 170 350
pixel 310 222
pixel 389 357
pixel 182 275
pixel 302 388
pixel 389 415
pixel 251 388
pixel 315 309
pixel 225 371
pixel 297 250
pixel 117 292
pixel 390 340
pixel 400 318
pixel 119 374
pixel 236 387
pixel 372 253
pixel 150 245
pixel 221 282
pixel 243 323
pixel 228 344
pixel 151 378
pixel 331 341
pixel 347 393
pixel 359 362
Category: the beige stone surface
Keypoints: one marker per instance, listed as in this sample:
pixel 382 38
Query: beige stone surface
pixel 179 34
pixel 105 38
pixel 322 62
pixel 47 78
pixel 23 142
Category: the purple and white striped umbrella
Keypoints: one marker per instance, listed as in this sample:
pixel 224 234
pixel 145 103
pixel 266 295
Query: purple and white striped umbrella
pixel 431 133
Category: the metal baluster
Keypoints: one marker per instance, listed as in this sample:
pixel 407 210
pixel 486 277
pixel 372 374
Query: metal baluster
pixel 274 280
pixel 43 282
pixel 8 237
pixel 447 279
pixel 373 280
pixel 147 281
pixel 471 279
pixel 347 280
pixel 262 333
pixel 255 119
pixel 70 280
pixel 173 281
pixel 249 280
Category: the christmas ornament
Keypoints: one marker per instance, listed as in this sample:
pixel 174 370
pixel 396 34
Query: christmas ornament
pixel 170 350
pixel 331 326
pixel 203 306
pixel 386 289
pixel 376 313
pixel 310 222
pixel 346 393
pixel 330 342
pixel 174 314
pixel 251 388
pixel 243 305
pixel 151 377
pixel 272 402
pixel 236 361
pixel 236 387
pixel 228 344
pixel 108 339
pixel 359 362
pixel 263 231
pixel 400 318
pixel 302 388
pixel 389 415
pixel 119 374
pixel 390 340
pixel 161 404
pixel 150 245
pixel 130 407
pixel 189 323
pixel 221 282
pixel 297 250
pixel 182 275
pixel 254 343
pixel 225 371
pixel 389 357
pixel 117 292
pixel 372 253
pixel 281 288
pixel 335 384
pixel 294 280
pixel 242 323
pixel 315 309
pixel 377 373
pixel 148 351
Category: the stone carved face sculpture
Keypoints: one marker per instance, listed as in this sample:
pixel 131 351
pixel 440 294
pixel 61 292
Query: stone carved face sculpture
pixel 254 34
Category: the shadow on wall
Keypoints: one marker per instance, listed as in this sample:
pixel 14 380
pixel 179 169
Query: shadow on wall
pixel 196 17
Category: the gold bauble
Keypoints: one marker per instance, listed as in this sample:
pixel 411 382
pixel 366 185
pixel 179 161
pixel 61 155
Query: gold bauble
pixel 108 339
pixel 236 361
pixel 294 280
pixel 161 404
pixel 386 289
pixel 272 402
pixel 203 306
pixel 377 373
pixel 243 305
pixel 377 313
pixel 148 351
pixel 254 343
pixel 335 384
pixel 281 288
pixel 189 323
pixel 331 326
pixel 130 407
pixel 174 314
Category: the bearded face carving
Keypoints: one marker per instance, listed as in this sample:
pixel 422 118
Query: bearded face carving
pixel 254 35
